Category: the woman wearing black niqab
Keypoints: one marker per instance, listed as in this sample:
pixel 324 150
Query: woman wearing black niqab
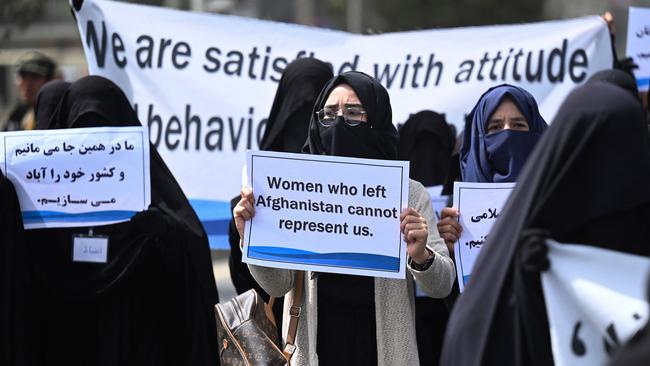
pixel 354 320
pixel 47 101
pixel 427 141
pixel 151 303
pixel 286 131
pixel 302 80
pixel 586 182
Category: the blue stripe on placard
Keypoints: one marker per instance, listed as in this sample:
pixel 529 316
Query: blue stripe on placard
pixel 466 278
pixel 215 217
pixel 642 82
pixel 351 260
pixel 39 217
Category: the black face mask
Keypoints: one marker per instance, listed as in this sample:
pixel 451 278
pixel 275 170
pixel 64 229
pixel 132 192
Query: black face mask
pixel 341 139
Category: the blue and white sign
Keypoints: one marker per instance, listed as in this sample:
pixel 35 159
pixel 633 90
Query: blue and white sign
pixel 78 177
pixel 638 44
pixel 479 205
pixel 327 214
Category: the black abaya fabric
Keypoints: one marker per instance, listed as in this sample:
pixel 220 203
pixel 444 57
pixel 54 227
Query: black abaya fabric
pixel 427 141
pixel 586 182
pixel 302 80
pixel 11 235
pixel 152 302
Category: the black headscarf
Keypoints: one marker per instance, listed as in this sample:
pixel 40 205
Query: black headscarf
pixel 619 78
pixel 376 139
pixel 427 141
pixel 302 80
pixel 167 240
pixel 47 101
pixel 586 182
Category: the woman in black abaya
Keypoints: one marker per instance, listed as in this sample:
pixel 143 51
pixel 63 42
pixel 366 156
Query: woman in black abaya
pixel 586 182
pixel 151 303
pixel 286 131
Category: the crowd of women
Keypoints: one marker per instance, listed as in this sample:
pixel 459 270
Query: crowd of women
pixel 581 179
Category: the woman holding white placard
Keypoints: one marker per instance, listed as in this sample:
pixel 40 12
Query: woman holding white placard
pixel 351 319
pixel 500 134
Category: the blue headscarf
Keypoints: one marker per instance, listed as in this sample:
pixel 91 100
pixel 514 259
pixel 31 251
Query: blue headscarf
pixel 500 156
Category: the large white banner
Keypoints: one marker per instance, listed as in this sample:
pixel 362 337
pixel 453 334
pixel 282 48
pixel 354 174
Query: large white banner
pixel 595 301
pixel 204 83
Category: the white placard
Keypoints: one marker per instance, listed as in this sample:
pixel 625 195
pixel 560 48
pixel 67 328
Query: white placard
pixel 205 90
pixel 638 44
pixel 479 205
pixel 595 301
pixel 327 214
pixel 78 177
pixel 438 201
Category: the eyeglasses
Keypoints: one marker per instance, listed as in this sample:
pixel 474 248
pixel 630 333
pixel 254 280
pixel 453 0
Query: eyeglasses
pixel 353 116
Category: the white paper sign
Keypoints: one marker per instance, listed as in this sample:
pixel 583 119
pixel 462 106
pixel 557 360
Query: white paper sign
pixel 595 301
pixel 90 249
pixel 638 44
pixel 78 177
pixel 479 205
pixel 327 214
pixel 204 83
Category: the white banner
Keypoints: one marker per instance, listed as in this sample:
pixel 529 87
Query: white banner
pixel 204 83
pixel 327 214
pixel 638 44
pixel 479 205
pixel 595 301
pixel 78 177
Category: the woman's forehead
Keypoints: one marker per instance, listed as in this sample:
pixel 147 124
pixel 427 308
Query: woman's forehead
pixel 342 92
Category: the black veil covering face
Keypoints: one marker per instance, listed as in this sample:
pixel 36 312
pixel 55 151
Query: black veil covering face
pixel 151 303
pixel 427 141
pixel 47 101
pixel 586 182
pixel 302 80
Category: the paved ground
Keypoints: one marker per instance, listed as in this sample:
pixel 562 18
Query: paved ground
pixel 222 274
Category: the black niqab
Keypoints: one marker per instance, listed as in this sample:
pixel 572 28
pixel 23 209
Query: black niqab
pixel 427 141
pixel 47 101
pixel 585 181
pixel 286 128
pixel 375 139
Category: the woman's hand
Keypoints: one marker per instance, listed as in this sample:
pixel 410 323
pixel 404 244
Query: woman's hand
pixel 244 210
pixel 449 227
pixel 415 233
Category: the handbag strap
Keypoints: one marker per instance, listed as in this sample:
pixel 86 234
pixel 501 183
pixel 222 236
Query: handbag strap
pixel 294 313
